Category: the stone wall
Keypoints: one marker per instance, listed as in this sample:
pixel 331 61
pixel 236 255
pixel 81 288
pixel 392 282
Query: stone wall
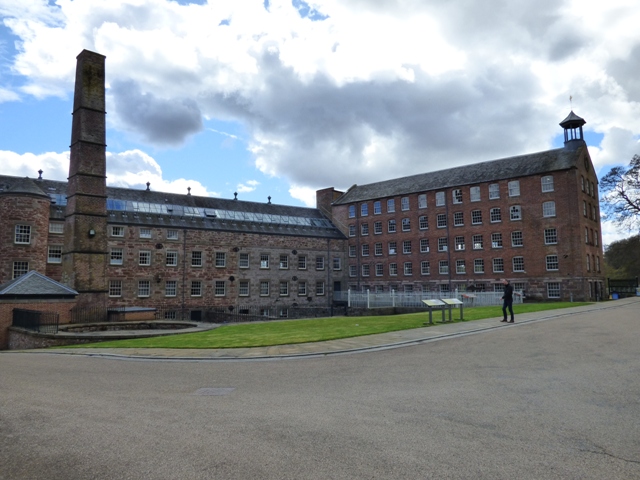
pixel 61 307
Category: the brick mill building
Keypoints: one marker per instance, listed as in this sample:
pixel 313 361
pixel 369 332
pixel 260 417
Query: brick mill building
pixel 126 247
pixel 533 219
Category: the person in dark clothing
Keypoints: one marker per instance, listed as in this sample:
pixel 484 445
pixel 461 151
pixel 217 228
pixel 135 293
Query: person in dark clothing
pixel 507 300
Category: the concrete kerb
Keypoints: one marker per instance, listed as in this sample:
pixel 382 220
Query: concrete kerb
pixel 367 343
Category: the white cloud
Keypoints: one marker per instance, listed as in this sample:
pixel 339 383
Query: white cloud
pixel 7 95
pixel 129 169
pixel 248 186
pixel 378 89
pixel 612 233
pixel 55 166
pixel 305 194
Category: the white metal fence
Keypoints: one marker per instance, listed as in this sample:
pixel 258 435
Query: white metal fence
pixel 371 299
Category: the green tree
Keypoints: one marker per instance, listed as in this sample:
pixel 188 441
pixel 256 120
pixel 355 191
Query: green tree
pixel 623 258
pixel 621 194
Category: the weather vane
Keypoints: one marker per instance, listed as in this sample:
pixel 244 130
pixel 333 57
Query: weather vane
pixel 571 101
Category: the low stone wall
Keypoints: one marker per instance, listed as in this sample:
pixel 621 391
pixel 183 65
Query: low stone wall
pixel 62 307
pixel 21 339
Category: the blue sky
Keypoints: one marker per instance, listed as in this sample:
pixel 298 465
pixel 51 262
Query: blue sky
pixel 280 98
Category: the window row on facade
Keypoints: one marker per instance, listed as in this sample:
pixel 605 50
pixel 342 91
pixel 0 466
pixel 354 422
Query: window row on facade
pixel 497 265
pixel 143 232
pixel 495 216
pixel 550 237
pixel 457 197
pixel 197 259
pixel 552 288
pixel 195 288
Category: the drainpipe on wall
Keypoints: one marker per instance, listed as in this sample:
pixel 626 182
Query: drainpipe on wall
pixel 184 270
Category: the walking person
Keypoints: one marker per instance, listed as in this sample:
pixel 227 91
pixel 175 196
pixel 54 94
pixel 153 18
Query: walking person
pixel 507 300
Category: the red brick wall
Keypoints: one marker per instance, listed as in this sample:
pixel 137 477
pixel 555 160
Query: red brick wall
pixel 62 307
pixel 18 209
pixel 232 244
pixel 569 222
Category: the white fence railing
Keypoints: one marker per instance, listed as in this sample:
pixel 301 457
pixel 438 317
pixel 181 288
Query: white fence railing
pixel 370 299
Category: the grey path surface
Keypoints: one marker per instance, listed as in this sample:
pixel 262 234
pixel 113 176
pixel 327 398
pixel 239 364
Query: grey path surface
pixel 546 399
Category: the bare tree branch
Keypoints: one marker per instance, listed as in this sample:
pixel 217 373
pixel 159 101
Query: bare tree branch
pixel 621 194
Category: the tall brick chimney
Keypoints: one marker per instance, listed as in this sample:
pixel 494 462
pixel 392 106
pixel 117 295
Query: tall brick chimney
pixel 85 230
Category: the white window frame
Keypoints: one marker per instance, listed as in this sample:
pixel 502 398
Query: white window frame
pixel 552 263
pixel 393 269
pixel 408 269
pixel 498 265
pixel 474 194
pixel 115 288
pixel 496 240
pixel 144 288
pixel 494 191
pixel 171 288
pixel 520 261
pixel 551 238
pixel 391 205
pixel 547 183
pixel 144 258
pixel 552 288
pixel 117 231
pixel 425 268
pixel 116 256
pixel 514 188
pixel 478 265
pixel 56 228
pixel 443 267
pixel 22 234
pixel 54 254
pixel 517 235
pixel 549 209
pixel 195 288
pixel 20 268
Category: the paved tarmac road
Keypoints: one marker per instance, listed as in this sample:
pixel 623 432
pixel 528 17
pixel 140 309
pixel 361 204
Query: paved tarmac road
pixel 545 400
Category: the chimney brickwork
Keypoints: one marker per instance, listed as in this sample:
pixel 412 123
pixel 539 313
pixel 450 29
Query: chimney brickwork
pixel 85 245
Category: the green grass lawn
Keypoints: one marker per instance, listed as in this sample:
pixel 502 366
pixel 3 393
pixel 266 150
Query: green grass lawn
pixel 283 332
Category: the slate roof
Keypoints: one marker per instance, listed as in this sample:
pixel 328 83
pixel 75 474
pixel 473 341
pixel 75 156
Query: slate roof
pixel 9 185
pixel 503 169
pixel 572 121
pixel 34 284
